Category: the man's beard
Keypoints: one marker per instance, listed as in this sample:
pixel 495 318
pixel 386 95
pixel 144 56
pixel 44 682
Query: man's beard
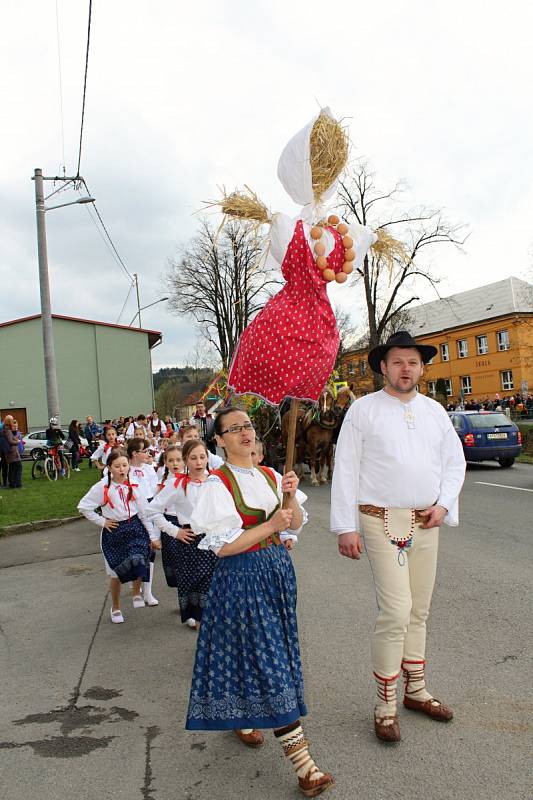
pixel 403 388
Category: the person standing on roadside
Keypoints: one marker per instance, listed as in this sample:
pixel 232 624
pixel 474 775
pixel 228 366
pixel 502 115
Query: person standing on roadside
pixel 91 432
pixel 10 446
pixel 399 468
pixel 74 436
pixel 206 426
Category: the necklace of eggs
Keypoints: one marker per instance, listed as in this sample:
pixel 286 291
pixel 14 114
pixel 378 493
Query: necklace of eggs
pixel 317 233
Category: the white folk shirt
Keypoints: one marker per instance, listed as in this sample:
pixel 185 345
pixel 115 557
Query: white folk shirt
pixel 395 455
pixel 217 516
pixel 146 478
pixel 117 508
pixel 102 452
pixel 174 500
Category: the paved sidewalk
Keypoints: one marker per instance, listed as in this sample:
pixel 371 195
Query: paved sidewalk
pixel 94 710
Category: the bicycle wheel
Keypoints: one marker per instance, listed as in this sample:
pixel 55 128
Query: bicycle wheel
pixel 50 468
pixel 37 469
pixel 65 466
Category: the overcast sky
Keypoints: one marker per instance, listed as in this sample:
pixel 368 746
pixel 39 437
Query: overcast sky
pixel 183 97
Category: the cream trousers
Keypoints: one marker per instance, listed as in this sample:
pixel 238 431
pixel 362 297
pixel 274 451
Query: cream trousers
pixel 403 594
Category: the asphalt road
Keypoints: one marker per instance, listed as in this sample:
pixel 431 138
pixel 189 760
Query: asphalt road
pixel 93 710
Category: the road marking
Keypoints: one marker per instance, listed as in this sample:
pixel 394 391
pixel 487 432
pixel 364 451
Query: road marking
pixel 503 486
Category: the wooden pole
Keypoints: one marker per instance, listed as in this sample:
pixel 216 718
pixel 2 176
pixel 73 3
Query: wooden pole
pixel 289 455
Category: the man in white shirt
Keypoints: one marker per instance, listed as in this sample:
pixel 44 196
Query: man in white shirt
pixel 399 468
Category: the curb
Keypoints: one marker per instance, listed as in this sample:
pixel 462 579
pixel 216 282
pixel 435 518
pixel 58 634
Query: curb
pixel 37 525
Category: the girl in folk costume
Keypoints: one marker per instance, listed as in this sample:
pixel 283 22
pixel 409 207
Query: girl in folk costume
pixel 170 463
pixel 143 475
pixel 189 433
pixel 127 535
pixel 101 454
pixel 247 673
pixel 186 566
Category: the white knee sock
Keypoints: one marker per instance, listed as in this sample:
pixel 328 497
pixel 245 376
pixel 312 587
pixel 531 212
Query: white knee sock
pixel 415 682
pixel 147 585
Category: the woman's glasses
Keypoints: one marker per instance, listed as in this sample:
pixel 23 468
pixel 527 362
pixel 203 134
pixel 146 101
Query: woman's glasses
pixel 238 428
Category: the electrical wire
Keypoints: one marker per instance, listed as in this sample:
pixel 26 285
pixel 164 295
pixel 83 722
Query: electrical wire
pixel 85 85
pixel 125 302
pixel 108 241
pixel 60 89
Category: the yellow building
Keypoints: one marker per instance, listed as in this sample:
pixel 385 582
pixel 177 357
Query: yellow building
pixel 484 339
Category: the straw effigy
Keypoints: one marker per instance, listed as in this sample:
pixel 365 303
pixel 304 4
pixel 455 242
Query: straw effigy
pixel 329 147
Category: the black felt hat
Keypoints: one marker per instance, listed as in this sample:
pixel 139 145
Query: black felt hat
pixel 399 339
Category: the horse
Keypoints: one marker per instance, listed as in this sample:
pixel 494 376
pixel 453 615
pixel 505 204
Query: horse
pixel 315 428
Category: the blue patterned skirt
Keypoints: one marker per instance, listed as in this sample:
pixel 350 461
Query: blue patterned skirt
pixel 247 671
pixel 188 569
pixel 127 550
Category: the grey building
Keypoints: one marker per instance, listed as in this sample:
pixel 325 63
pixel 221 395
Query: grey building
pixel 104 370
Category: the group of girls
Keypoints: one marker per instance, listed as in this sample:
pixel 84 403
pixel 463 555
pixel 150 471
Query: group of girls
pixel 222 541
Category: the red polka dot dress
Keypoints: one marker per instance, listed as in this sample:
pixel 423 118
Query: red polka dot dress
pixel 289 349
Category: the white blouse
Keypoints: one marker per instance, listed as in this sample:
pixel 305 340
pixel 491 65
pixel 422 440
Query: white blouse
pixel 217 516
pixel 176 501
pixel 118 508
pixel 102 452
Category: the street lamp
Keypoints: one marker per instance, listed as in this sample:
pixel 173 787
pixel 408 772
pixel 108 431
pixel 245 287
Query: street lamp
pixel 139 309
pixel 50 373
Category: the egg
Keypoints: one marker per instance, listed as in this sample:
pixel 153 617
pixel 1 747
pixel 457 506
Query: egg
pixel 342 229
pixel 320 248
pixel 347 267
pixel 340 277
pixel 349 255
pixel 347 242
pixel 322 262
pixel 333 219
pixel 315 232
pixel 328 275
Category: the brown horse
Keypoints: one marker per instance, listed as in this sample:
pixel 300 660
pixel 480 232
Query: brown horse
pixel 315 429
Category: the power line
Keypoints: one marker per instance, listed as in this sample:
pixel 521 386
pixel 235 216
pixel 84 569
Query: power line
pixel 85 85
pixel 125 301
pixel 108 238
pixel 60 88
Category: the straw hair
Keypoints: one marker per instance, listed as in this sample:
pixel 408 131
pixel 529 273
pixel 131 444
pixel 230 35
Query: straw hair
pixel 243 204
pixel 329 145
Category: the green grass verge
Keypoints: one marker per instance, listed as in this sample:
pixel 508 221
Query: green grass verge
pixel 44 499
pixel 524 458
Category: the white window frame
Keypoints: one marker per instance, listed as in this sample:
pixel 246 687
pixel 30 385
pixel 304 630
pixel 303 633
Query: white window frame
pixel 503 340
pixel 449 386
pixel 466 389
pixel 432 388
pixel 445 350
pixel 508 383
pixel 479 350
pixel 362 368
pixel 462 352
pixel 351 369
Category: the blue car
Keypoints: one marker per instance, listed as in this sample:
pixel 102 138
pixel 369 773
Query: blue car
pixel 487 436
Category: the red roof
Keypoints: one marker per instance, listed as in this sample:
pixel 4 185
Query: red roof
pixel 153 336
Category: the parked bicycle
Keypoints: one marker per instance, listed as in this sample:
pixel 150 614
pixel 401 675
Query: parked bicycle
pixel 53 464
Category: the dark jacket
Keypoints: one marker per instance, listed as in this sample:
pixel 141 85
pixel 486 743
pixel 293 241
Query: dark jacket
pixel 13 453
pixel 74 437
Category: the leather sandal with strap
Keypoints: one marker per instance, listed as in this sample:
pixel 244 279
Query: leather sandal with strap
pixel 390 732
pixel 312 787
pixel 253 739
pixel 431 708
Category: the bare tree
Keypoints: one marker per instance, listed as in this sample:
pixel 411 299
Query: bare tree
pixel 219 280
pixel 388 274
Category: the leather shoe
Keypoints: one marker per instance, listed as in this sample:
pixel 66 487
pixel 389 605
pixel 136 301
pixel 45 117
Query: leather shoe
pixel 431 708
pixel 312 787
pixel 387 733
pixel 253 739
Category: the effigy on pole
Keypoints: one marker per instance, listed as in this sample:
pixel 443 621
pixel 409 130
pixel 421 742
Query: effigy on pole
pixel 288 351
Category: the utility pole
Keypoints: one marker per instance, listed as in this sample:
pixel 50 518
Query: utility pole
pixel 138 301
pixel 50 373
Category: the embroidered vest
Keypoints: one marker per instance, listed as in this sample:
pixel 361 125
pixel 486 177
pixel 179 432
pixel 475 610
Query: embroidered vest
pixel 251 517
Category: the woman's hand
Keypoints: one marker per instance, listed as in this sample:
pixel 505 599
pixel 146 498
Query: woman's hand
pixel 289 483
pixel 185 535
pixel 281 520
pixel 155 544
pixel 110 524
